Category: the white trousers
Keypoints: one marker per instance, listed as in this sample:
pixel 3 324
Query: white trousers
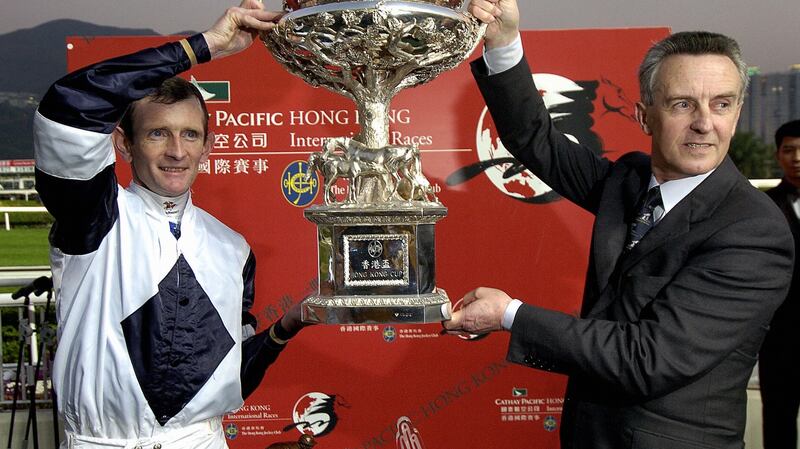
pixel 203 435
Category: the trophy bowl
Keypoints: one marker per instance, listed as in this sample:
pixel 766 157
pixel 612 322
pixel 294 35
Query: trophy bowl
pixel 292 5
pixel 376 245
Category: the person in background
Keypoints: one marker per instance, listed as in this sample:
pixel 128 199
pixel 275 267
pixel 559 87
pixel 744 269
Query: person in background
pixel 778 370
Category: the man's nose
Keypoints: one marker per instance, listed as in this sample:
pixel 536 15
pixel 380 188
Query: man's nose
pixel 701 122
pixel 175 148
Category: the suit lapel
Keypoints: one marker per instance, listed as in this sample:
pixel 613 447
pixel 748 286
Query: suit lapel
pixel 611 226
pixel 676 222
pixel 697 206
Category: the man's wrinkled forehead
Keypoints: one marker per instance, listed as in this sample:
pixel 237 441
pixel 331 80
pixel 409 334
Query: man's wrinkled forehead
pixel 676 74
pixel 141 107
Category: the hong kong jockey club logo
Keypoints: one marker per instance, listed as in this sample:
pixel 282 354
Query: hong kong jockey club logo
pixel 375 249
pixel 389 334
pixel 299 184
pixel 550 424
pixel 571 105
pixel 407 436
pixel 315 413
pixel 231 431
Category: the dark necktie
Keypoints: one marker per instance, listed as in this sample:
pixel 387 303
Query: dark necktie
pixel 651 211
pixel 175 229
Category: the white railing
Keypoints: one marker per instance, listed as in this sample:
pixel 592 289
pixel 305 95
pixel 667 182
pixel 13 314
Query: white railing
pixel 765 183
pixel 17 193
pixel 30 310
pixel 20 276
pixel 8 209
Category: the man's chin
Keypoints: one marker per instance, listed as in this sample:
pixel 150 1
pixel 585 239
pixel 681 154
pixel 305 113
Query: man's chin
pixel 703 167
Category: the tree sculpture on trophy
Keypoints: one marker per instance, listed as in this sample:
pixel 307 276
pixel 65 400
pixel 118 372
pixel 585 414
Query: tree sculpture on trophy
pixel 376 245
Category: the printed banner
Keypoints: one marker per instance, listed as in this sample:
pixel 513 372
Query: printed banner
pixel 407 386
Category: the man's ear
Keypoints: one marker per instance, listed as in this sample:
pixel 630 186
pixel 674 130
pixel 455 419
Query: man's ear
pixel 641 117
pixel 122 144
pixel 207 146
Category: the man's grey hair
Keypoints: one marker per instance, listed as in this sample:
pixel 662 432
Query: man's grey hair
pixel 688 43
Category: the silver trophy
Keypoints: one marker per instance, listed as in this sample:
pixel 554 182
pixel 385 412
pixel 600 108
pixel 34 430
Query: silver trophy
pixel 376 244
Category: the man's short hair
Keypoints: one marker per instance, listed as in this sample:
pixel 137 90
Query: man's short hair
pixel 688 43
pixel 171 91
pixel 788 129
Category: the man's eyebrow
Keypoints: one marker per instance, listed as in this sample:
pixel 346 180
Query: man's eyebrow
pixel 686 96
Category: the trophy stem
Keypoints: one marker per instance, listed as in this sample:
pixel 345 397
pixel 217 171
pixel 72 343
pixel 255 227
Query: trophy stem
pixel 374 118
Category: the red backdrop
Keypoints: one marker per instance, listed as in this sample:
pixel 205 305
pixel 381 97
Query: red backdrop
pixel 352 385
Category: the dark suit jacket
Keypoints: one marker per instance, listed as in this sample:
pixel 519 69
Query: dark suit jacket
pixel 669 333
pixel 782 344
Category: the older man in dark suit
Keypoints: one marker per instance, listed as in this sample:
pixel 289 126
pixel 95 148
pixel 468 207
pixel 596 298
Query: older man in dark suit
pixel 778 369
pixel 688 262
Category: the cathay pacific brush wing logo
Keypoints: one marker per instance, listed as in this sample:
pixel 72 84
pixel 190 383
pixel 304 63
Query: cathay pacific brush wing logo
pixel 213 91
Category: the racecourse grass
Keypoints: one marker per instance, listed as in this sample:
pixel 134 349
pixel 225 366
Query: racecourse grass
pixel 24 246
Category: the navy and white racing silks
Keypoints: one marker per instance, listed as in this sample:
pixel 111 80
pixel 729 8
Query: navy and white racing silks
pixel 150 325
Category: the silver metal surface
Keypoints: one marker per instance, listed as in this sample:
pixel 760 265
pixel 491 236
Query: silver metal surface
pixel 291 5
pixel 376 214
pixel 368 51
pixel 376 272
pixel 391 175
pixel 429 308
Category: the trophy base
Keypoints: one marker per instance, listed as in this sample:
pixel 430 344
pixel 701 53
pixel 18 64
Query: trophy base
pixel 376 265
pixel 433 307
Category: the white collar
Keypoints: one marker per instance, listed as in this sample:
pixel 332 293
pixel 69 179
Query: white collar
pixel 171 208
pixel 672 192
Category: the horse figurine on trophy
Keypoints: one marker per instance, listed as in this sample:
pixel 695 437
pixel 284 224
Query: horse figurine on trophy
pixel 345 158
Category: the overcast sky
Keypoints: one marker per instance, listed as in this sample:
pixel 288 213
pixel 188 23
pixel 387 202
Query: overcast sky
pixel 767 30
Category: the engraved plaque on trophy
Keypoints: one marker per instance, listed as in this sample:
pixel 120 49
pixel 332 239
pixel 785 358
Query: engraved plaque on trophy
pixel 376 245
